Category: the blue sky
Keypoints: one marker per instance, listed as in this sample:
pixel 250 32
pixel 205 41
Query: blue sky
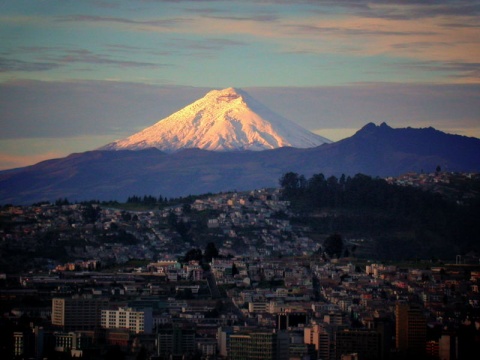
pixel 75 75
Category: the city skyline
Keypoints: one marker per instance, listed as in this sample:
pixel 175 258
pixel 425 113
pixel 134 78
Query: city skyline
pixel 75 76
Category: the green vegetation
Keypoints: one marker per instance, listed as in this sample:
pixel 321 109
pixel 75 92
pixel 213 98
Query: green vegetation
pixel 133 202
pixel 333 245
pixel 204 258
pixel 405 222
pixel 270 284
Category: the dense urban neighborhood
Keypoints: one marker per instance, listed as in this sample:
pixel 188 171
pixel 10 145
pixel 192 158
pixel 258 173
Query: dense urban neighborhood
pixel 226 276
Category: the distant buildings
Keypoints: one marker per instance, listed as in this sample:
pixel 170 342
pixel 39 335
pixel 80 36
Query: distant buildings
pixel 78 313
pixel 292 305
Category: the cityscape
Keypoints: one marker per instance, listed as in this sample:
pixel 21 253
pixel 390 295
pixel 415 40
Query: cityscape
pixel 225 276
pixel 239 180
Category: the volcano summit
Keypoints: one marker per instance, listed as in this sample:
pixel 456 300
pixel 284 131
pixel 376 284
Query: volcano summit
pixel 223 120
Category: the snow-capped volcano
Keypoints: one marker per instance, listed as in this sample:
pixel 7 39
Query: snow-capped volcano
pixel 222 120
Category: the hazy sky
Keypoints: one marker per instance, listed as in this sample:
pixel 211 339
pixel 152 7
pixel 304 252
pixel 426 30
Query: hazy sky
pixel 75 75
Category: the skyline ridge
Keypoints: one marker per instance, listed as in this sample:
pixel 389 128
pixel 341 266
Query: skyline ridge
pixel 378 151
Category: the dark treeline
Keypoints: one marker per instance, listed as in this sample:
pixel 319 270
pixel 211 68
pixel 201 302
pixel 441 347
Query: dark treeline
pixel 146 200
pixel 358 192
pixel 405 221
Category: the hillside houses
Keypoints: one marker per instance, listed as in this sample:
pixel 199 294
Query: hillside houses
pixel 239 223
pixel 268 276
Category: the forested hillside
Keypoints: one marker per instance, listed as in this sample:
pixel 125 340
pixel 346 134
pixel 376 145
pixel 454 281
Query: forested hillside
pixel 402 222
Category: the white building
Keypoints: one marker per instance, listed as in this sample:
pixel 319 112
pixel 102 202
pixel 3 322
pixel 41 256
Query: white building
pixel 140 321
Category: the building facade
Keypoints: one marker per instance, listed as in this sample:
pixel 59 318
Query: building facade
pixel 137 321
pixel 366 344
pixel 176 341
pixel 77 313
pixel 411 331
pixel 259 345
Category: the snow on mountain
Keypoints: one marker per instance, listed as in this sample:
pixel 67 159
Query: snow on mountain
pixel 223 120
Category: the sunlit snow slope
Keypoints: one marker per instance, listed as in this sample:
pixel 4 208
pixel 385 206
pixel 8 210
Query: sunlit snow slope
pixel 222 120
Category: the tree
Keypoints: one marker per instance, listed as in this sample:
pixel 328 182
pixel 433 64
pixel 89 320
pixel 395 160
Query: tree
pixel 114 353
pixel 91 213
pixel 234 270
pixel 60 202
pixel 186 208
pixel 292 184
pixel 142 354
pixel 333 245
pixel 172 220
pixel 126 216
pixel 210 252
pixel 184 294
pixel 193 254
pixel 183 228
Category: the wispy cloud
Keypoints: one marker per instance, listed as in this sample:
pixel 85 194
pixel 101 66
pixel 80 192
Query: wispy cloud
pixel 442 32
pixel 254 18
pixel 7 65
pixel 368 28
pixel 423 9
pixel 372 29
pixel 458 71
pixel 103 4
pixel 55 57
pixel 87 57
pixel 428 40
pixel 210 44
pixel 141 24
pixel 465 71
pixel 396 10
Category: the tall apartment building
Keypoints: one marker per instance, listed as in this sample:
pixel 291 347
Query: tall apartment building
pixel 29 344
pixel 322 337
pixel 367 344
pixel 176 341
pixel 448 346
pixel 289 319
pixel 77 313
pixel 137 321
pixel 65 342
pixel 19 344
pixel 410 331
pixel 386 327
pixel 259 345
pixel 223 340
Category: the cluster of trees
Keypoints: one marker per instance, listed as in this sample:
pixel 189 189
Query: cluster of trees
pixel 333 245
pixel 146 200
pixel 406 221
pixel 358 192
pixel 204 257
pixel 180 226
pixel 91 213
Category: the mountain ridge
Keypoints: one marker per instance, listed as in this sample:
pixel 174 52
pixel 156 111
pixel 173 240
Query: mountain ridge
pixel 115 175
